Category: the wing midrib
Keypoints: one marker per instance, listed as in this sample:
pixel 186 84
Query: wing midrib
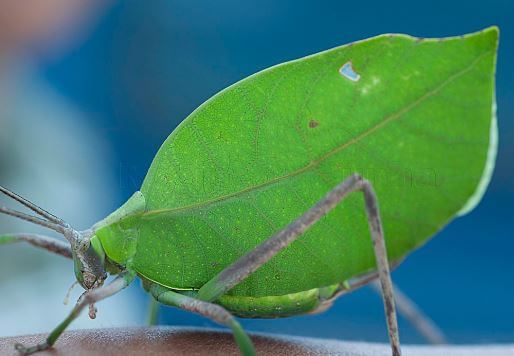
pixel 315 163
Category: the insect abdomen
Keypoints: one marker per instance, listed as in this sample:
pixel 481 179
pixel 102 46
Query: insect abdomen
pixel 279 306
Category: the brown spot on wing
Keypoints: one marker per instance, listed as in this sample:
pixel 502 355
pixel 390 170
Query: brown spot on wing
pixel 313 123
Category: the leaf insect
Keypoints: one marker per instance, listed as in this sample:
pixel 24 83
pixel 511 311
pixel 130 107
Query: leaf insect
pixel 250 207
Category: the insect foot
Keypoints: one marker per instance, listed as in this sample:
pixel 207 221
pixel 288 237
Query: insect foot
pixel 22 350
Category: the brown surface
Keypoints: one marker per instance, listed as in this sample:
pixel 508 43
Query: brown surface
pixel 149 341
pixel 187 341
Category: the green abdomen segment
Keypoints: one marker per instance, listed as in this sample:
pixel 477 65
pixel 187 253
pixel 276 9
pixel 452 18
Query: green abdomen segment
pixel 279 306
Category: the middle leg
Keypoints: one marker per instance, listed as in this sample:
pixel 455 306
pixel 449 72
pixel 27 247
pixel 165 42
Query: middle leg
pixel 212 311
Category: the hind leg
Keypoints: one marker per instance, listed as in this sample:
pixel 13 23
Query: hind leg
pixel 246 265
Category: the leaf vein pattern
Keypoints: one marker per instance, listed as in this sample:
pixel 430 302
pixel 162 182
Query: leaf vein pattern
pixel 315 163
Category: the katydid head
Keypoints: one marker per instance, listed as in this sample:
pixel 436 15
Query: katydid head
pixel 89 261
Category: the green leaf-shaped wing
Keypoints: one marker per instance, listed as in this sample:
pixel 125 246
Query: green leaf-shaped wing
pixel 414 116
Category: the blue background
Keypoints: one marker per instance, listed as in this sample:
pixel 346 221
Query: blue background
pixel 147 65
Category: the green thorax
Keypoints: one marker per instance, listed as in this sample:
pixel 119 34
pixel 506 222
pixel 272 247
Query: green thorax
pixel 119 232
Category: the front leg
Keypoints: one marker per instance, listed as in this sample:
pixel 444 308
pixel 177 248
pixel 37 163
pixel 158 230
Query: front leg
pixel 95 295
pixel 246 265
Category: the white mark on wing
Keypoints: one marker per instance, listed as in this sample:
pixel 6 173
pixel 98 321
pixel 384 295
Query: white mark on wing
pixel 347 71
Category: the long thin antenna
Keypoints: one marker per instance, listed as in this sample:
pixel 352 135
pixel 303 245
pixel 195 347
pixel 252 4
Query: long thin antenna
pixel 48 243
pixel 41 212
pixel 46 219
pixel 33 219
